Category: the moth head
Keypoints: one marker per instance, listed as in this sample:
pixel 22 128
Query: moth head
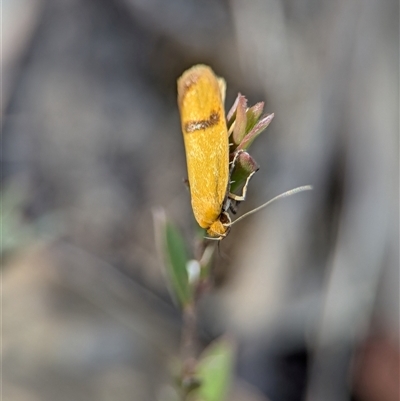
pixel 219 229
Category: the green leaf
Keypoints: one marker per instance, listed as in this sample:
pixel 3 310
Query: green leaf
pixel 177 258
pixel 215 369
pixel 239 130
pixel 171 246
pixel 245 166
pixel 253 114
pixel 260 126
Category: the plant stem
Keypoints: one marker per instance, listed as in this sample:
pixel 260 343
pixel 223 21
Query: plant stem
pixel 189 349
pixel 189 335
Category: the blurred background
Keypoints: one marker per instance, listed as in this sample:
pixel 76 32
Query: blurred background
pixel 91 144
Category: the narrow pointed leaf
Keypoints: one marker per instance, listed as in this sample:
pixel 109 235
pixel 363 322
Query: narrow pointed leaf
pixel 239 131
pixel 232 112
pixel 215 370
pixel 253 114
pixel 261 125
pixel 172 250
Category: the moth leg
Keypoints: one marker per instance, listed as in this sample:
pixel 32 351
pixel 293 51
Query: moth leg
pixel 233 162
pixel 242 197
pixel 186 182
pixel 233 206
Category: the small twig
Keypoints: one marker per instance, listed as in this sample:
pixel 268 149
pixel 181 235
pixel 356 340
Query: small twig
pixel 189 381
pixel 188 347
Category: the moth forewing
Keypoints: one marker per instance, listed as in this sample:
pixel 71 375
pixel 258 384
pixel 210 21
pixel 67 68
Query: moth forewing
pixel 200 100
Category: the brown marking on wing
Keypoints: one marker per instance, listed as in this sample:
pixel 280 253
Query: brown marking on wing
pixel 192 126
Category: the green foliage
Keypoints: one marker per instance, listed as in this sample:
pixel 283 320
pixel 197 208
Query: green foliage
pixel 244 126
pixel 253 114
pixel 245 166
pixel 239 130
pixel 175 255
pixel 245 123
pixel 214 370
pixel 259 127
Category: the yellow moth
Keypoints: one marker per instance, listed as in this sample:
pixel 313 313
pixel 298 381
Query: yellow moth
pixel 201 105
pixel 201 96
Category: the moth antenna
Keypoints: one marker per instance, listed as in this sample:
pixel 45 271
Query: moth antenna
pixel 284 195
